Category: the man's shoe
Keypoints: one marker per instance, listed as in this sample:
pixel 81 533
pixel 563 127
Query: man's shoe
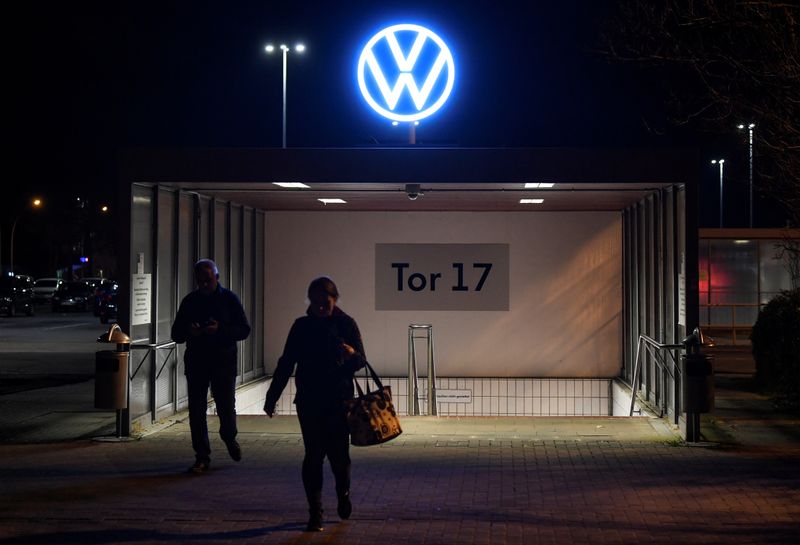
pixel 200 466
pixel 234 450
pixel 314 522
pixel 344 507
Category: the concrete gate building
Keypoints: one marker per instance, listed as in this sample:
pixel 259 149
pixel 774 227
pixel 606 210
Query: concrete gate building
pixel 538 269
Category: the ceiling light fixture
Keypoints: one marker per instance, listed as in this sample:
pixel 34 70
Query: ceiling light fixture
pixel 292 185
pixel 531 201
pixel 332 201
pixel 538 185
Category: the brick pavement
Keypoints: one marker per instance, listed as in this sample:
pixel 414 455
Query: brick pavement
pixel 448 481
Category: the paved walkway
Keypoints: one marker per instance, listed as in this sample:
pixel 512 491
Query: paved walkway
pixel 444 481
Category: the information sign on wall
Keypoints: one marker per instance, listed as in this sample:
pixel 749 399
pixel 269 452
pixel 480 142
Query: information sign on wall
pixel 140 302
pixel 454 396
pixel 441 276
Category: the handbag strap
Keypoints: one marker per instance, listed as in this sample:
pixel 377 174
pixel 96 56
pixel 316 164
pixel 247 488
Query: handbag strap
pixel 368 371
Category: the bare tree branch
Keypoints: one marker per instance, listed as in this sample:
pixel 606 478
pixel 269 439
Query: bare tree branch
pixel 741 63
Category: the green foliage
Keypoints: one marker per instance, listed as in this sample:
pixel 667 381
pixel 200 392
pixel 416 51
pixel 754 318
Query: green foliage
pixel 776 348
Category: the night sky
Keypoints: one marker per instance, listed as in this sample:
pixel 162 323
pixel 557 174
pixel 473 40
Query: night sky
pixel 91 78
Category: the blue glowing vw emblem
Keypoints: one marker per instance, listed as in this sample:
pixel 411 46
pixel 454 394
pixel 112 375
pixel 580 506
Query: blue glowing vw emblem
pixel 419 64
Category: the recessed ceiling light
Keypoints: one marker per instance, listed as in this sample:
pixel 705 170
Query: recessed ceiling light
pixel 531 201
pixel 538 185
pixel 292 185
pixel 332 201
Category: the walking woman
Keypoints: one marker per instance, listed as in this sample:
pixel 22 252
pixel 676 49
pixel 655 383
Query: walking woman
pixel 326 347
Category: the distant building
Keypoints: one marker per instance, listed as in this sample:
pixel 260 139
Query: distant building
pixel 738 273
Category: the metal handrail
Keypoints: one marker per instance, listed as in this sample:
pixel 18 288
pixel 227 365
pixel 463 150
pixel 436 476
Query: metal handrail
pixel 413 380
pixel 150 348
pixel 651 345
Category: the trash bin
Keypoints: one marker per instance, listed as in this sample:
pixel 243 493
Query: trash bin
pixel 698 383
pixel 111 371
pixel 111 380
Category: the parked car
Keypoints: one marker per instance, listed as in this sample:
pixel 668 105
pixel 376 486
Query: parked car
pixel 93 281
pixel 100 291
pixel 16 293
pixel 107 308
pixel 44 288
pixel 72 296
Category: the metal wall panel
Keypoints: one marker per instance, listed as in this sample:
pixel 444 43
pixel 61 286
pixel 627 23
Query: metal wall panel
pixel 247 293
pixel 654 249
pixel 171 230
pixel 142 229
pixel 166 244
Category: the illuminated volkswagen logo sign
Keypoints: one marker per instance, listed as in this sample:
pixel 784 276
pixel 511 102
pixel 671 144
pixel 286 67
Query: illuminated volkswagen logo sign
pixel 406 72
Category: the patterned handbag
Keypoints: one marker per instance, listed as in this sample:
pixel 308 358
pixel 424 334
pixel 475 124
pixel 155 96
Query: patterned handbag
pixel 371 417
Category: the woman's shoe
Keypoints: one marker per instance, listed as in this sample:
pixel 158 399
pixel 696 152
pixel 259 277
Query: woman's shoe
pixel 314 522
pixel 200 466
pixel 344 507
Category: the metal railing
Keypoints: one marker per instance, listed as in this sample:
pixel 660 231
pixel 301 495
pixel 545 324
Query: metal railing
pixel 413 377
pixel 155 373
pixel 654 348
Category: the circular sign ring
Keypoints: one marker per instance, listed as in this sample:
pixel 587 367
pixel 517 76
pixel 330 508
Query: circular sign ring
pixel 363 64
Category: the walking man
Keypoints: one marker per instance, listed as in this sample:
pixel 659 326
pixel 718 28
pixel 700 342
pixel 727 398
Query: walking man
pixel 210 321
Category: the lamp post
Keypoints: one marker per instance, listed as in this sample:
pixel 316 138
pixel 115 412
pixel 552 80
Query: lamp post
pixel 750 128
pixel 720 162
pixel 299 48
pixel 36 203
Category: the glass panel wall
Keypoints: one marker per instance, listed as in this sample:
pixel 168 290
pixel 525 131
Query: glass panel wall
pixel 142 260
pixel 653 251
pixel 247 293
pixel 737 277
pixel 221 238
pixel 774 275
pixel 259 367
pixel 187 255
pixel 183 221
pixel 236 254
pixel 164 292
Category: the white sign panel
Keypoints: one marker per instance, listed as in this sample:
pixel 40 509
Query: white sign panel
pixel 454 396
pixel 140 302
pixel 441 276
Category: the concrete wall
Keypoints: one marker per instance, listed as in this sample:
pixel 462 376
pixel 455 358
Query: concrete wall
pixel 564 318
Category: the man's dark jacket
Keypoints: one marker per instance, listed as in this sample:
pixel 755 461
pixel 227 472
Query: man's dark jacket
pixel 324 377
pixel 211 354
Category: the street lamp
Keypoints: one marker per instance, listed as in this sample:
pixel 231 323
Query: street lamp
pixel 299 48
pixel 721 162
pixel 750 127
pixel 36 203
